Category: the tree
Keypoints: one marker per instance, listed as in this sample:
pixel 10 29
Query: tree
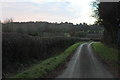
pixel 8 20
pixel 108 15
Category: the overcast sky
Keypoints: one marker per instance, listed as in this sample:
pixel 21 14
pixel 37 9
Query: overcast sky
pixel 75 11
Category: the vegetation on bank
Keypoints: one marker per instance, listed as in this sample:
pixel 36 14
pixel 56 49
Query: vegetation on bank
pixel 109 55
pixel 21 51
pixel 42 69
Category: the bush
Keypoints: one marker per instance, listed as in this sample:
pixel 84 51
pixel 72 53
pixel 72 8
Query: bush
pixel 23 49
pixel 48 65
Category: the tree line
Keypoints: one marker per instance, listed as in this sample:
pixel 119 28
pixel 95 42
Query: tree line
pixel 45 29
pixel 108 14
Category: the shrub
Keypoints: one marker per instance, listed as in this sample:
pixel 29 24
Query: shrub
pixel 22 49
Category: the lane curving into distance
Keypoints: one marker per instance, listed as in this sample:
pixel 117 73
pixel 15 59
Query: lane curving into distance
pixel 84 64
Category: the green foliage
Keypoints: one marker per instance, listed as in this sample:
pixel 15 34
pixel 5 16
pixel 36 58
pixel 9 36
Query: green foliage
pixel 95 5
pixel 108 14
pixel 107 54
pixel 81 34
pixel 45 29
pixel 42 69
pixel 23 49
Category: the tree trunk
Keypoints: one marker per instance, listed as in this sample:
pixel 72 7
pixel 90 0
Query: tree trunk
pixel 110 34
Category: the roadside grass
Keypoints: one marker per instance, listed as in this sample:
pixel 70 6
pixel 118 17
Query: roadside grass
pixel 107 54
pixel 45 67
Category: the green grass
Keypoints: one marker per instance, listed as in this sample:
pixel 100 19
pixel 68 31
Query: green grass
pixel 42 69
pixel 107 54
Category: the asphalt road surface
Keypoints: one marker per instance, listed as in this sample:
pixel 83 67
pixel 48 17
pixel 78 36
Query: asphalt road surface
pixel 84 64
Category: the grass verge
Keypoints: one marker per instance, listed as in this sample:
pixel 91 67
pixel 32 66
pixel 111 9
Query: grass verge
pixel 45 67
pixel 108 55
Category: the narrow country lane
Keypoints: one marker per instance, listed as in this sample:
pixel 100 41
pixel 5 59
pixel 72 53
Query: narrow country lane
pixel 84 64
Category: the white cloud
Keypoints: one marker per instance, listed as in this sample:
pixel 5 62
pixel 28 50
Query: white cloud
pixel 75 11
pixel 0 10
pixel 85 19
pixel 15 0
pixel 45 1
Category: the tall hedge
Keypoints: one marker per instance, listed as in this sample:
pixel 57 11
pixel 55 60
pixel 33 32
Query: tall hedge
pixel 20 48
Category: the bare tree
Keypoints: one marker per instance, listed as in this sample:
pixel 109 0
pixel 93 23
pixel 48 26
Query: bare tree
pixel 10 20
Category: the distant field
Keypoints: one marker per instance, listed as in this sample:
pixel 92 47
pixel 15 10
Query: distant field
pixel 45 29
